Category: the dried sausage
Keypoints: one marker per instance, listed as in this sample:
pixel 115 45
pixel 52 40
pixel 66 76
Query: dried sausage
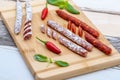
pixel 73 47
pixel 98 44
pixel 78 22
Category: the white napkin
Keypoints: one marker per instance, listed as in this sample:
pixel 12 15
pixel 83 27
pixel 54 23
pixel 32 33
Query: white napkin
pixel 106 6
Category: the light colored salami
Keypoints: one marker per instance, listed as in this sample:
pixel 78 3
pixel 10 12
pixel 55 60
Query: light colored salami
pixel 48 32
pixel 42 28
pixel 73 47
pixel 67 33
pixel 18 22
pixel 27 34
pixel 54 35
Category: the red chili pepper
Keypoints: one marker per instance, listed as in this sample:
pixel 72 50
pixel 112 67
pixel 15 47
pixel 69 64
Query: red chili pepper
pixel 44 12
pixel 50 46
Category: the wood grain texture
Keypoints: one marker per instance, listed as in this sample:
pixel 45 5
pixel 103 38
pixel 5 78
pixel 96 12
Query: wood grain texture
pixel 96 60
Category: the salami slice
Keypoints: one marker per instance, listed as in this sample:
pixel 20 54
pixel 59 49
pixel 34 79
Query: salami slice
pixel 48 32
pixel 42 28
pixel 54 35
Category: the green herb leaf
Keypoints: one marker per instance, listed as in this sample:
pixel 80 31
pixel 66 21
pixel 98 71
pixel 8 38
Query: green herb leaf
pixel 61 63
pixel 56 2
pixel 70 8
pixel 62 6
pixel 40 58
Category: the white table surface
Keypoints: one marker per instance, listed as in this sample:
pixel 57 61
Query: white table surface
pixel 12 66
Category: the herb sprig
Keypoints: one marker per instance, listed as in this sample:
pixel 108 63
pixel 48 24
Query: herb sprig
pixel 63 4
pixel 42 58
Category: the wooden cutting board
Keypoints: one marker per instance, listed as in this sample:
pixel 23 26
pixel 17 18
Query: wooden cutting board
pixel 95 60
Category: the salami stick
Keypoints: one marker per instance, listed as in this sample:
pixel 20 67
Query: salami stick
pixel 67 33
pixel 98 44
pixel 27 27
pixel 18 22
pixel 73 47
pixel 78 23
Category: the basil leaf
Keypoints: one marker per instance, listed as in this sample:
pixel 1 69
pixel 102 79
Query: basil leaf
pixel 40 58
pixel 62 6
pixel 70 8
pixel 56 2
pixel 61 63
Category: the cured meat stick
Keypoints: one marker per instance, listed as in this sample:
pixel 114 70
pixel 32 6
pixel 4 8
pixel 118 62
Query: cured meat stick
pixel 67 33
pixel 18 22
pixel 78 22
pixel 98 44
pixel 80 31
pixel 73 47
pixel 27 27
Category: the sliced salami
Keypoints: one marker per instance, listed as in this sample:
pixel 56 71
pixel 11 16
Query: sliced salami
pixel 42 28
pixel 54 35
pixel 73 47
pixel 27 34
pixel 67 33
pixel 48 32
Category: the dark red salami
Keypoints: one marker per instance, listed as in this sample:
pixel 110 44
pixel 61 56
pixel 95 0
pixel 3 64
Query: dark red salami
pixel 78 22
pixel 98 44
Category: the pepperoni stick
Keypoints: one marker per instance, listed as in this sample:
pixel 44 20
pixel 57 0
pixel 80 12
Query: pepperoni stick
pixel 27 27
pixel 80 32
pixel 98 44
pixel 67 33
pixel 73 47
pixel 78 22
